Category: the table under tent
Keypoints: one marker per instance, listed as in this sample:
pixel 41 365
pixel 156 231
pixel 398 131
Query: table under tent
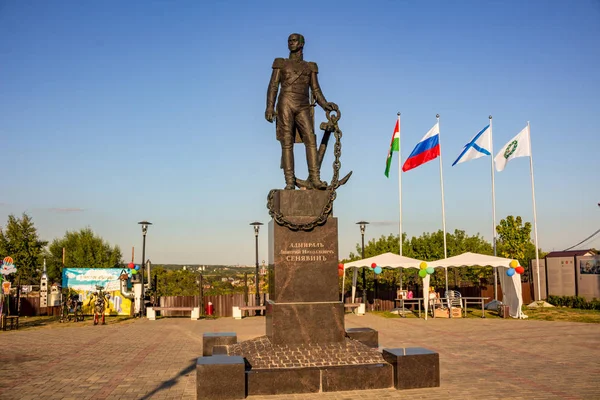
pixel 386 260
pixel 512 290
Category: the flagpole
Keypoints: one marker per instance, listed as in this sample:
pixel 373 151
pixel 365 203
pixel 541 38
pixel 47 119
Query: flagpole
pixel 400 188
pixel 443 207
pixel 493 210
pixel 535 234
pixel 400 183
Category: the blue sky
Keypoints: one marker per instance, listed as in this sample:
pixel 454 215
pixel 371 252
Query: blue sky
pixel 113 112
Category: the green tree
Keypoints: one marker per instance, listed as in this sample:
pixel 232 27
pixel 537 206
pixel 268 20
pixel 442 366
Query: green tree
pixel 83 249
pixel 514 241
pixel 513 237
pixel 20 241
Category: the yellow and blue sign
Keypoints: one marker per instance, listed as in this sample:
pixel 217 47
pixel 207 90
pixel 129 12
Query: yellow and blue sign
pixel 83 281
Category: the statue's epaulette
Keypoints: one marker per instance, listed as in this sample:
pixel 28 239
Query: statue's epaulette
pixel 278 63
pixel 313 66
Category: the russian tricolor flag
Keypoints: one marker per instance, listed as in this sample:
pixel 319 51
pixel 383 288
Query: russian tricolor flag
pixel 426 150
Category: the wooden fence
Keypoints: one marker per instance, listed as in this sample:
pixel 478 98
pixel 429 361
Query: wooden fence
pixel 30 307
pixel 222 304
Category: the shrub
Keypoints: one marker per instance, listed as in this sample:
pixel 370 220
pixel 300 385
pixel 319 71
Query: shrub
pixel 574 302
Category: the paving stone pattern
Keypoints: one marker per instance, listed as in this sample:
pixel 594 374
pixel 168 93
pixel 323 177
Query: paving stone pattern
pixel 141 359
pixel 260 353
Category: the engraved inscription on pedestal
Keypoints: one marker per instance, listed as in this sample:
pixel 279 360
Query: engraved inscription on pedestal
pixel 304 264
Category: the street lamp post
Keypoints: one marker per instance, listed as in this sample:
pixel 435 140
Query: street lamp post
pixel 257 296
pixel 363 225
pixel 144 225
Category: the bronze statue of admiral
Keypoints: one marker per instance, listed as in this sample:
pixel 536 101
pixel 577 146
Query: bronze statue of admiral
pixel 294 113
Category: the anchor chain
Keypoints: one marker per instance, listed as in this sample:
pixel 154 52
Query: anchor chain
pixel 330 126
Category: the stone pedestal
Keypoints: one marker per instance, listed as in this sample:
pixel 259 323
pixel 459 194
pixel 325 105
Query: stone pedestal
pixel 304 304
pixel 306 348
pixel 414 367
pixel 220 378
pixel 307 322
pixel 357 377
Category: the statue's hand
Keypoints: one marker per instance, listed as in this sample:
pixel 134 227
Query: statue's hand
pixel 331 107
pixel 270 115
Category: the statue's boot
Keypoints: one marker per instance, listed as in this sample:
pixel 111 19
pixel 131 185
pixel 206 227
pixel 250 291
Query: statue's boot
pixel 314 175
pixel 287 163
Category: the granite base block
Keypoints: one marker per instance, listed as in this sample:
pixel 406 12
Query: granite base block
pixel 305 323
pixel 300 203
pixel 220 378
pixel 220 349
pixel 303 264
pixel 414 367
pixel 283 381
pixel 357 377
pixel 367 336
pixel 211 339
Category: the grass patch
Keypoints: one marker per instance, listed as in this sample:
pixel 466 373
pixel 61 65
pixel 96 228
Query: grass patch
pixel 563 314
pixel 385 314
pixel 389 314
pixel 476 313
pixel 542 314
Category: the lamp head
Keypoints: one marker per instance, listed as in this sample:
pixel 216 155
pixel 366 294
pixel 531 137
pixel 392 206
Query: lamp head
pixel 144 225
pixel 256 225
pixel 363 225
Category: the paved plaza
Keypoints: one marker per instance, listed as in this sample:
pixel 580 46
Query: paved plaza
pixel 141 359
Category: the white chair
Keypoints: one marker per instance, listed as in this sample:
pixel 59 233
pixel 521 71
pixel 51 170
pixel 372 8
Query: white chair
pixel 454 298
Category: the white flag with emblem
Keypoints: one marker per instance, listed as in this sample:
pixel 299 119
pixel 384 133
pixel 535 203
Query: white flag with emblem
pixel 519 146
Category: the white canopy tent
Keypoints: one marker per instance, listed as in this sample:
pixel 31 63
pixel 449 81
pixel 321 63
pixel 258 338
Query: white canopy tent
pixel 512 294
pixel 386 260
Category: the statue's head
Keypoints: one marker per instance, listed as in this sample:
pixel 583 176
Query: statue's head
pixel 295 42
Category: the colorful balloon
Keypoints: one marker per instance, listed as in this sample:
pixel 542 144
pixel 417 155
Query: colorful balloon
pixel 340 272
pixel 422 273
pixel 137 268
pixel 373 265
pixel 377 270
pixel 340 266
pixel 514 263
pixel 510 271
pixel 423 265
pixel 519 270
pixel 430 270
pixel 131 265
pixel 133 272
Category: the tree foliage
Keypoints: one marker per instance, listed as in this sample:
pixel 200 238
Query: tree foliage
pixel 184 282
pixel 514 241
pixel 513 237
pixel 180 282
pixel 19 240
pixel 83 249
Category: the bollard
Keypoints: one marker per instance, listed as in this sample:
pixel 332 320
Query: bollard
pixel 209 308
